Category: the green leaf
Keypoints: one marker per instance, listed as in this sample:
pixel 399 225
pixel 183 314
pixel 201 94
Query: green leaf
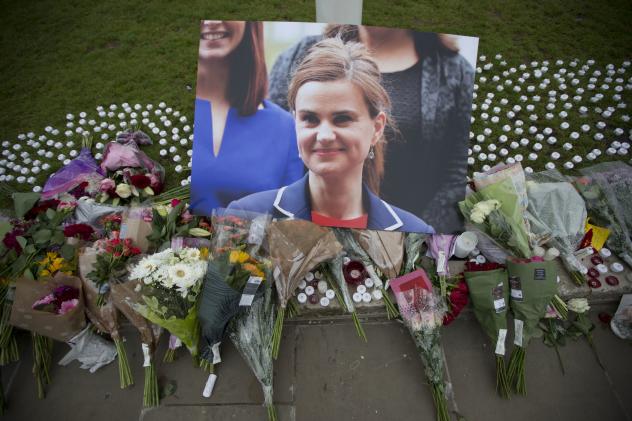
pixel 58 237
pixel 22 242
pixel 67 251
pixel 42 236
pixel 50 214
pixel 28 274
pixel 23 202
pixel 5 227
pixel 116 201
pixel 30 249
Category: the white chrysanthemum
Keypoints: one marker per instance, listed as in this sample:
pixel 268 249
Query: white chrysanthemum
pixel 182 276
pixel 144 269
pixel 190 255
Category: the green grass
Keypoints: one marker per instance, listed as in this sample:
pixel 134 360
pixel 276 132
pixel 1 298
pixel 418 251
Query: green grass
pixel 67 57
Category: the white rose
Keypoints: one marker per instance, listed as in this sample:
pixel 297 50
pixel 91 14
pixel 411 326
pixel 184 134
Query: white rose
pixel 578 305
pixel 123 190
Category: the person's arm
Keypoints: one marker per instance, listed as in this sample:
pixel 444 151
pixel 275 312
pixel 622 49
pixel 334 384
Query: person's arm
pixel 443 212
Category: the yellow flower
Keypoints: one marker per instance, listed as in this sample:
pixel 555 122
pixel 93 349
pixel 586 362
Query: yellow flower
pixel 204 253
pixel 238 256
pixel 253 269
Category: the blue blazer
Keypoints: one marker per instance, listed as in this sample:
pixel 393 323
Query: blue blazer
pixel 258 153
pixel 293 202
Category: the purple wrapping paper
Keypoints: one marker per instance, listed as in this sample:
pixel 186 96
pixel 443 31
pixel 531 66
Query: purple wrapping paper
pixel 83 168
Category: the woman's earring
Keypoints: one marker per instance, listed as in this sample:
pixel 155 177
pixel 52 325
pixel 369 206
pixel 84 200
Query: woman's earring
pixel 371 153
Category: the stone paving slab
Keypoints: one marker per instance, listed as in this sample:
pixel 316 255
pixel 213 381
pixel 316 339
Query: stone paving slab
pixel 325 372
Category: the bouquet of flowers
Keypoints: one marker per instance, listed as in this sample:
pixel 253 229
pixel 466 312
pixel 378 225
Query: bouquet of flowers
pixel 496 211
pixel 557 211
pixel 537 281
pixel 413 243
pixel 103 317
pixel 51 308
pixel 131 175
pixel 606 189
pixel 81 177
pixel 371 253
pixel 171 282
pixel 489 290
pixel 296 247
pixel 441 248
pixel 111 263
pixel 251 332
pixel 75 233
pixel 126 297
pixel 173 220
pixel 236 261
pixel 422 311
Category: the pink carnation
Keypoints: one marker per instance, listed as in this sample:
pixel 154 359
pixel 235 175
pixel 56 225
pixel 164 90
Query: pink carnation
pixel 107 184
pixel 68 306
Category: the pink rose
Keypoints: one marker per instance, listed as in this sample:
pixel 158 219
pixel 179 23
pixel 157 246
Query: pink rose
pixel 68 306
pixel 107 184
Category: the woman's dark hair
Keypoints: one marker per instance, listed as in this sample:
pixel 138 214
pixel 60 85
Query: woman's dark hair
pixel 426 43
pixel 248 83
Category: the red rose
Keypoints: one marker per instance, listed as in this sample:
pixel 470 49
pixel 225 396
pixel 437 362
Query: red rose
pixel 140 181
pixel 458 300
pixel 10 240
pixel 41 207
pixel 175 202
pixel 82 231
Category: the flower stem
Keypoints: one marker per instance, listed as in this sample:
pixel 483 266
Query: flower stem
pixel 391 311
pixel 271 413
pixel 441 405
pixel 125 374
pixel 278 331
pixel 358 326
pixel 516 371
pixel 42 357
pixel 206 366
pixel 150 395
pixel 502 383
pixel 170 355
pixel 560 306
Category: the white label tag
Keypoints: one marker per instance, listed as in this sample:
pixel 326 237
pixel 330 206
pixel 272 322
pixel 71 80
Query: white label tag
pixel 248 295
pixel 516 293
pixel 518 326
pixel 499 304
pixel 216 357
pixel 500 342
pixel 208 387
pixel 123 230
pixel 441 263
pixel 177 343
pixel 146 356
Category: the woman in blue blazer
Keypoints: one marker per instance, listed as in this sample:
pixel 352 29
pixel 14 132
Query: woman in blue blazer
pixel 242 143
pixel 340 112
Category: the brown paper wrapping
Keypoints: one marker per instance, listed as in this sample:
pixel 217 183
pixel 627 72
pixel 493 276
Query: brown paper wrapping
pixel 105 317
pixel 124 296
pixel 135 226
pixel 58 327
pixel 296 247
pixel 385 248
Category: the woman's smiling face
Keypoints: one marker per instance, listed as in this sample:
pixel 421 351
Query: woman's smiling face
pixel 334 128
pixel 219 38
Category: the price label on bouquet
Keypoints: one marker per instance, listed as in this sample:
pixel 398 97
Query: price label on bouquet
pixel 499 300
pixel 250 290
pixel 516 288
